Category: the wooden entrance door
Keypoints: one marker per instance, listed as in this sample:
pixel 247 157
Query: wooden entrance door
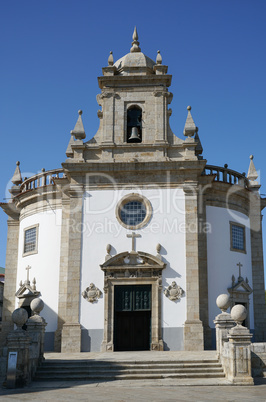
pixel 132 330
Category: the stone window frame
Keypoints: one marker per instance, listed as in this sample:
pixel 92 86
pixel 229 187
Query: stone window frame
pixel 130 105
pixel 134 197
pixel 35 251
pixel 232 223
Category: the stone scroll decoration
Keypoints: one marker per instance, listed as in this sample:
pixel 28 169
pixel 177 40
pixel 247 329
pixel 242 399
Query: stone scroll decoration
pixel 174 292
pixel 91 293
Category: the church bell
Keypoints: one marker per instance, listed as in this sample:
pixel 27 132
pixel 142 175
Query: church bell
pixel 134 136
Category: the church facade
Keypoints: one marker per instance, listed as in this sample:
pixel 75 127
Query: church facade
pixel 132 240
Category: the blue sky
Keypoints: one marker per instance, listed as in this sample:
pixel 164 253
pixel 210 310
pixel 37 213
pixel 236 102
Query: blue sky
pixel 53 51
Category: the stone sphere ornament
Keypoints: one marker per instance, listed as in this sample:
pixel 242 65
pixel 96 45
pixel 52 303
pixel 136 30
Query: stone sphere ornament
pixel 239 313
pixel 19 317
pixel 37 305
pixel 223 302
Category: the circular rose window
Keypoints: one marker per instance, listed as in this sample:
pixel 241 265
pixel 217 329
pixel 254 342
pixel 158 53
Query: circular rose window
pixel 133 211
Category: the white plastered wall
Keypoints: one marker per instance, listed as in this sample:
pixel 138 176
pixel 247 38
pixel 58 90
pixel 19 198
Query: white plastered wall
pixel 222 261
pixel 45 264
pixel 100 227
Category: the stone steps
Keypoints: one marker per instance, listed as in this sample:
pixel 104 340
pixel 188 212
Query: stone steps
pixel 86 370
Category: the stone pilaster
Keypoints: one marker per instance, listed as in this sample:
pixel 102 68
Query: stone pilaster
pixel 203 272
pixel 68 334
pixel 257 267
pixel 10 278
pixel 193 330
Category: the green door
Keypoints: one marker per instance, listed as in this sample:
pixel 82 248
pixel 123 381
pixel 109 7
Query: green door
pixel 132 318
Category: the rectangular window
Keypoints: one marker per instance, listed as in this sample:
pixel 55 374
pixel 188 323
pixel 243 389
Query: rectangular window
pixel 238 237
pixel 30 240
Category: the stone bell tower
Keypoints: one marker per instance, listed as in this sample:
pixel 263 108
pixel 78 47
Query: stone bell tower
pixel 134 115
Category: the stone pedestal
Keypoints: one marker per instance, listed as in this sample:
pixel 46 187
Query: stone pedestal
pixel 223 323
pixel 193 335
pixel 71 338
pixel 239 356
pixel 19 341
pixel 36 329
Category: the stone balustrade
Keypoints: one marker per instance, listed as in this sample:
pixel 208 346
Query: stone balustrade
pixel 222 174
pixel 225 175
pixel 41 179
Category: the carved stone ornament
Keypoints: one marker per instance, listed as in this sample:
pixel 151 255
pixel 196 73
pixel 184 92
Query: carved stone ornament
pixel 174 292
pixel 92 294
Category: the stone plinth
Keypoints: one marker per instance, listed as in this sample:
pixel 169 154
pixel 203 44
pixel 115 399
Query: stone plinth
pixel 19 341
pixel 71 338
pixel 36 329
pixel 223 323
pixel 237 356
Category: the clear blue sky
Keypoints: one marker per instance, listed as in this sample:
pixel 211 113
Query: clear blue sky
pixel 53 51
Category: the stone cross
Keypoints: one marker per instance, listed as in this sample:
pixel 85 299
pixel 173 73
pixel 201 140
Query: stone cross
pixel 239 266
pixel 133 236
pixel 28 275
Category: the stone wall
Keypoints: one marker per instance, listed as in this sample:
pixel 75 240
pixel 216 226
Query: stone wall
pixel 258 359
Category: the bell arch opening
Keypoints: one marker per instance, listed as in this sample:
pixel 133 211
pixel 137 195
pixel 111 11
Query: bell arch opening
pixel 134 124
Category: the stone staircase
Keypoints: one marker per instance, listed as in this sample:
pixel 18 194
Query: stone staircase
pixel 104 370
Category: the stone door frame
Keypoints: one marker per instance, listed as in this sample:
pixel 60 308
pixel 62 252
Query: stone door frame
pixel 109 310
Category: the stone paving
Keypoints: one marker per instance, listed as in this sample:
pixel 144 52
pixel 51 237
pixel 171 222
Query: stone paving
pixel 122 391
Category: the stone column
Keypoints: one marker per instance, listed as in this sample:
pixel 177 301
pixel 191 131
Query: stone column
pixel 68 334
pixel 239 352
pixel 203 269
pixel 257 266
pixel 10 278
pixel 193 330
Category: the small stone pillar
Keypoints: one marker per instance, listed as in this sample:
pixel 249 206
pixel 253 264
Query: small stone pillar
pixel 19 341
pixel 239 351
pixel 36 329
pixel 223 322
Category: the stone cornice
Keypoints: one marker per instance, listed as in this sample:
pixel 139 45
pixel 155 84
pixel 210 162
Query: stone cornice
pixel 134 80
pixel 10 209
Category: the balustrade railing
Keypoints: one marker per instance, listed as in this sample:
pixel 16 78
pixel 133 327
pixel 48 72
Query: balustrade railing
pixel 41 179
pixel 222 174
pixel 225 175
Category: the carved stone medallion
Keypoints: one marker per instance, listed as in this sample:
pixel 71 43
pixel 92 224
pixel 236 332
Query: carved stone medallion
pixel 174 292
pixel 92 294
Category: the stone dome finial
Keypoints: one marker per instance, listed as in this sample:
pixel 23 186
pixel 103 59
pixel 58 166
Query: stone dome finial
pixel 110 59
pixel 252 172
pixel 78 131
pixel 135 43
pixel 17 178
pixel 190 127
pixel 159 57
